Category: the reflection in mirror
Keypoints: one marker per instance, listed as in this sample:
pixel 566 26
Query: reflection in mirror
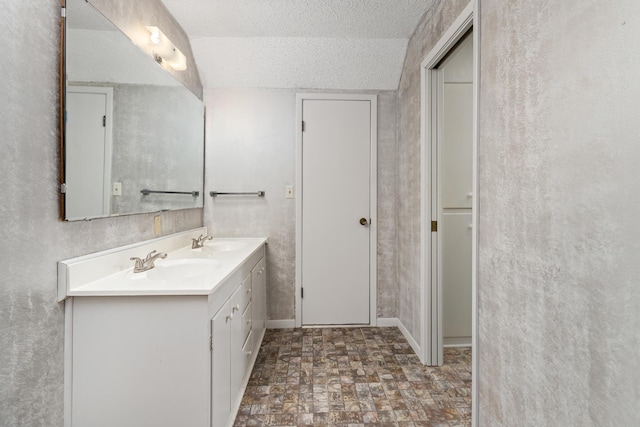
pixel 129 126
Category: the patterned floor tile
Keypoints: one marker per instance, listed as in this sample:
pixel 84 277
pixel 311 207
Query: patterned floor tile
pixel 353 377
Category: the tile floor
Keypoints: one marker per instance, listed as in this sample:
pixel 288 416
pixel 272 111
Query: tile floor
pixel 353 376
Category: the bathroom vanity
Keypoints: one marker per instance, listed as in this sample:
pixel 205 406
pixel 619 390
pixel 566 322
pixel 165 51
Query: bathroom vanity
pixel 173 345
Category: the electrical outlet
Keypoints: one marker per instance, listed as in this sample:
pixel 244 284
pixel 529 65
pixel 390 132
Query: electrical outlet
pixel 117 189
pixel 289 191
pixel 157 225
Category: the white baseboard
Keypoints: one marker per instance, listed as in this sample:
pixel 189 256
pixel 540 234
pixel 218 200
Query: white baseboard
pixel 281 324
pixel 412 342
pixel 387 322
pixel 394 321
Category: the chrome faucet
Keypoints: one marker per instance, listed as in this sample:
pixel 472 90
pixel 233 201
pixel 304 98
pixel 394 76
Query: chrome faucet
pixel 147 263
pixel 199 242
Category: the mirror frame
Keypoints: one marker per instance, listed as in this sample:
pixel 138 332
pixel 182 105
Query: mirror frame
pixel 62 86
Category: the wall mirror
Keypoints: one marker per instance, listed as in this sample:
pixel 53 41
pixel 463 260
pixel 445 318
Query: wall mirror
pixel 133 134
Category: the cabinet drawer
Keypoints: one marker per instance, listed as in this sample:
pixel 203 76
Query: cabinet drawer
pixel 245 289
pixel 246 322
pixel 247 350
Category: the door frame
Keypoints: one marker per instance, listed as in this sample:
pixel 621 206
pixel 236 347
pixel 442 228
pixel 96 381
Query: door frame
pixel 373 197
pixel 431 295
pixel 108 140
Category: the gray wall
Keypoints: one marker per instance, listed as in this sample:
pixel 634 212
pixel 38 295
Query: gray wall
pixel 559 241
pixel 157 144
pixel 33 238
pixel 431 27
pixel 251 146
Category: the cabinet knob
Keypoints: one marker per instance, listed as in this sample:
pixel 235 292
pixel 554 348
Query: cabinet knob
pixel 248 353
pixel 235 308
pixel 248 291
pixel 230 317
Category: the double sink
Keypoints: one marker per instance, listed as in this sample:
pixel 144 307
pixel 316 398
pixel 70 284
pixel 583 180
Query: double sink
pixel 185 271
pixel 186 264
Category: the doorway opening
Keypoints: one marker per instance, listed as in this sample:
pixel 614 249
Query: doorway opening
pixel 449 184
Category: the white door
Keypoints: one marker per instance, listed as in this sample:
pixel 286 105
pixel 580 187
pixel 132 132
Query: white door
pixel 87 152
pixel 336 159
pixel 454 194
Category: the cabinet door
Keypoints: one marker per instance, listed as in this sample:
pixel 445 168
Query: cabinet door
pixel 259 300
pixel 237 340
pixel 220 363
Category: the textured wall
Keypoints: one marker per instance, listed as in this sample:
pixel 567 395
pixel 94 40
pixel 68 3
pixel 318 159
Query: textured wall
pixel 158 143
pixel 559 231
pixel 432 26
pixel 33 238
pixel 250 147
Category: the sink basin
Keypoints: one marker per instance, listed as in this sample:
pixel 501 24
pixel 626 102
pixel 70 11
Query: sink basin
pixel 182 269
pixel 225 245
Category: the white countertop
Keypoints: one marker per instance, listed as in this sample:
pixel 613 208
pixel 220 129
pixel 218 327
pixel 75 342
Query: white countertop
pixel 184 271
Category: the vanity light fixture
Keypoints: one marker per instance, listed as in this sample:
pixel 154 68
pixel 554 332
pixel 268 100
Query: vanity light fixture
pixel 165 52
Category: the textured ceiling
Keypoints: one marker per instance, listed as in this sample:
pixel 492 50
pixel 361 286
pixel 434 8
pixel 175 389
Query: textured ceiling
pixel 328 44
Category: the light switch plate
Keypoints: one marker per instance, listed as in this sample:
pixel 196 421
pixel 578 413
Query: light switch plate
pixel 289 191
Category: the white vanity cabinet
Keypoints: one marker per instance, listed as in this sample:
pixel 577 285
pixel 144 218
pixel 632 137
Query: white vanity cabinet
pixel 163 359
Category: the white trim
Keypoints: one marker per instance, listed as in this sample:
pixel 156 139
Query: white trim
pixel 373 199
pixel 387 322
pixel 456 31
pixel 68 361
pixel 412 342
pixel 469 18
pixel 281 324
pixel 475 215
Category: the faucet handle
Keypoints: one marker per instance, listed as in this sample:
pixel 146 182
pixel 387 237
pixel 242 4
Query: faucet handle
pixel 149 255
pixel 139 263
pixel 199 242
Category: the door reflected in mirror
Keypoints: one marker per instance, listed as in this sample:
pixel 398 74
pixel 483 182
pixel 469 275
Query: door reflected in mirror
pixel 129 126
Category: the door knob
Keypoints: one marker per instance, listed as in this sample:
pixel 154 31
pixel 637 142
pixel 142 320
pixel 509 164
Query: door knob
pixel 363 221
